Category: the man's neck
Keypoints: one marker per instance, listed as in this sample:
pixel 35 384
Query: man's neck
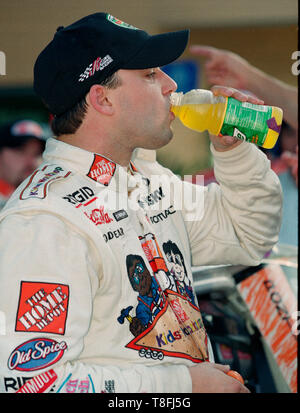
pixel 110 149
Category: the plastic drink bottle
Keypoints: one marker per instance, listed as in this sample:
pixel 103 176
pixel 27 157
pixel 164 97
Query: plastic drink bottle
pixel 200 110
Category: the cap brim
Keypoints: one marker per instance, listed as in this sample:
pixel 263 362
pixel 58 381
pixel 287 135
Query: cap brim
pixel 159 50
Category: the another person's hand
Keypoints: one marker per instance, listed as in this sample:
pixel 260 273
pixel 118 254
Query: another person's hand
pixel 225 143
pixel 212 378
pixel 223 67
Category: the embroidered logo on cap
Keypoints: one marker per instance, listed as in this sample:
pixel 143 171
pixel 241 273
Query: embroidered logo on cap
pixel 102 170
pixel 95 66
pixel 119 22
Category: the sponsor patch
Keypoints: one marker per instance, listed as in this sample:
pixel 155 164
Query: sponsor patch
pixel 113 234
pixel 119 22
pixel 42 307
pixel 40 383
pixel 98 64
pixel 36 354
pixel 102 170
pixel 77 385
pixel 120 215
pixel 12 384
pixel 37 186
pixel 98 216
pixel 80 196
pixel 152 198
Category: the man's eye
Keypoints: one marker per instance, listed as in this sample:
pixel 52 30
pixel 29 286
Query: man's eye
pixel 151 75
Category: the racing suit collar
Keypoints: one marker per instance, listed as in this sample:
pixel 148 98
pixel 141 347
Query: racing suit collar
pixel 95 166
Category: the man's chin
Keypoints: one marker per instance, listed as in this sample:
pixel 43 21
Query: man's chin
pixel 163 141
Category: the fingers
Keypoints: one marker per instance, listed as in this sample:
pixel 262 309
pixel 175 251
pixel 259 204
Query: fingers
pixel 237 94
pixel 205 51
pixel 222 367
pixel 211 377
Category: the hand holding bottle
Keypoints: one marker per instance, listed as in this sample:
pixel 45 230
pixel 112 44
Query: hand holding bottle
pixel 228 113
pixel 227 142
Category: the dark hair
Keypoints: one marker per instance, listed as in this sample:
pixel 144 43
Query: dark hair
pixel 169 247
pixel 69 122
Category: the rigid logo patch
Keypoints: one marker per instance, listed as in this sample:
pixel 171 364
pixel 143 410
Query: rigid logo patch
pixel 102 170
pixel 80 196
pixel 36 354
pixel 42 307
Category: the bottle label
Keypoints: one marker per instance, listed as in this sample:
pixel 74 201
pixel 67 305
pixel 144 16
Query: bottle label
pixel 246 121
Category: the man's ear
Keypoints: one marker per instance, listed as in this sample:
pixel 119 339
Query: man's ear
pixel 99 100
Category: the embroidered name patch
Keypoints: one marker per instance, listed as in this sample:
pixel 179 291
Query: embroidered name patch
pixel 37 186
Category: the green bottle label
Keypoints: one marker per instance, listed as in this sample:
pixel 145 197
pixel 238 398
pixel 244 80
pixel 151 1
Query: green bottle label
pixel 246 121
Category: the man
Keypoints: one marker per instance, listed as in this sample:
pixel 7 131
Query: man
pixel 21 146
pixel 95 200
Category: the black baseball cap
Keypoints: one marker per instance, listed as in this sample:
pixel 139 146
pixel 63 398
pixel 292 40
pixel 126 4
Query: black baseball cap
pixel 92 49
pixel 17 133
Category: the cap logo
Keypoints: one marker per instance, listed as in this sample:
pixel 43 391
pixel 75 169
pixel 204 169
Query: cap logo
pixel 119 22
pixel 95 66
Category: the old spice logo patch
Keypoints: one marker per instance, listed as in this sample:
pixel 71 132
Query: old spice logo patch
pixel 37 353
pixel 102 170
pixel 42 307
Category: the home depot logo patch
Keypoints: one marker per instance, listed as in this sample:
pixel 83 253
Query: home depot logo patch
pixel 42 307
pixel 102 170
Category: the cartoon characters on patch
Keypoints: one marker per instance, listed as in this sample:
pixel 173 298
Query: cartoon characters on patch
pixel 165 319
pixel 150 299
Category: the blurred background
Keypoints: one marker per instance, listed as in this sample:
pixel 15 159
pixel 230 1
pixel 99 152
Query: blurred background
pixel 264 32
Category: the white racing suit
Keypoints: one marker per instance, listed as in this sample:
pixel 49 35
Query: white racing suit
pixel 96 290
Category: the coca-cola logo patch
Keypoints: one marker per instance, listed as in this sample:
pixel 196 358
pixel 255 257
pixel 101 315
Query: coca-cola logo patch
pixel 42 307
pixel 98 216
pixel 102 170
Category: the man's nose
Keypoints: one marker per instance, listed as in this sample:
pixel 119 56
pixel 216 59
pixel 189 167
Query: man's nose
pixel 169 85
